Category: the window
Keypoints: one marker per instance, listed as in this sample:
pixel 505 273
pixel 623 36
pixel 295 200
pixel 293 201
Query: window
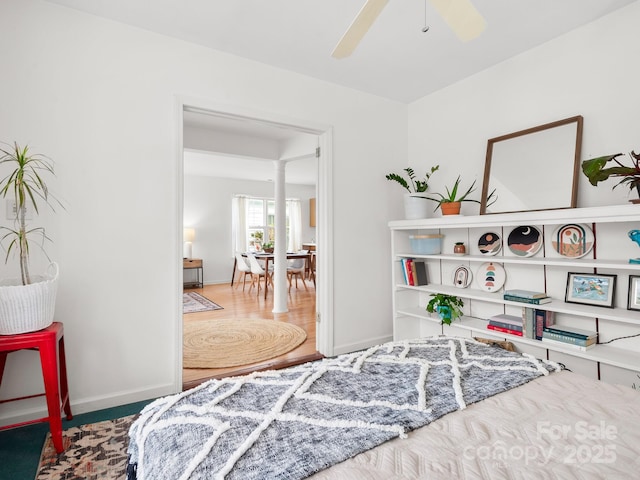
pixel 258 227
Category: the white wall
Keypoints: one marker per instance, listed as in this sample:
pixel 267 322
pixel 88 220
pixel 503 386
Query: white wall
pixel 592 71
pixel 207 208
pixel 99 98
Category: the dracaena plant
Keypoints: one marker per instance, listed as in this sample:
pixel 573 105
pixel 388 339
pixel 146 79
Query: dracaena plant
pixel 413 184
pixel 25 185
pixel 596 170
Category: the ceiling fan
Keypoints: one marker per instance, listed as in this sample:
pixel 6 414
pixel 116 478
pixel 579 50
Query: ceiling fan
pixel 461 16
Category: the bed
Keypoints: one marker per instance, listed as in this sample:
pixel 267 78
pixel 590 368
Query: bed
pixel 438 407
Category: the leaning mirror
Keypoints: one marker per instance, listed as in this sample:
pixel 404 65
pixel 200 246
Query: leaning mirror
pixel 533 169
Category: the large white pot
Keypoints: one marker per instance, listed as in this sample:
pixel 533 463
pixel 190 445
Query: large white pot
pixel 415 207
pixel 28 308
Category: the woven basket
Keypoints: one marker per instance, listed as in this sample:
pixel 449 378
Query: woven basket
pixel 28 308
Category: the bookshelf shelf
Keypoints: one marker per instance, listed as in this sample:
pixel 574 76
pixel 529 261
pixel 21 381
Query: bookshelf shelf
pixel 546 271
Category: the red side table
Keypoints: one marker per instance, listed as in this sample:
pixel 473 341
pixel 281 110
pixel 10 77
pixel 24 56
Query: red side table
pixel 50 342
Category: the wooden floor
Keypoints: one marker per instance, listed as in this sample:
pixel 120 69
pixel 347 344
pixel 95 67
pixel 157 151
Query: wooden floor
pixel 239 305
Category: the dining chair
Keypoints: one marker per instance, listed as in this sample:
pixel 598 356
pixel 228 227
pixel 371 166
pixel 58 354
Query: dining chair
pixel 257 272
pixel 243 268
pixel 297 268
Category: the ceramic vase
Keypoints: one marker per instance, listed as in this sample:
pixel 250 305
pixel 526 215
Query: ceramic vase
pixel 415 208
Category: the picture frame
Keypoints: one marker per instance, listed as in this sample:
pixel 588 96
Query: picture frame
pixel 633 300
pixel 597 289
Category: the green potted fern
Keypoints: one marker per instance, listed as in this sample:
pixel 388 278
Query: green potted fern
pixel 414 200
pixel 28 303
pixel 449 307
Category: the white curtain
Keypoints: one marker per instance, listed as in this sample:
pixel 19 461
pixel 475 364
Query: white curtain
pixel 295 225
pixel 239 224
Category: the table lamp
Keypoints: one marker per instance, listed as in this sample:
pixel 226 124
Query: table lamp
pixel 188 237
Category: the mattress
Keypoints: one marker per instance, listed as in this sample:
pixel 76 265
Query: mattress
pixel 561 426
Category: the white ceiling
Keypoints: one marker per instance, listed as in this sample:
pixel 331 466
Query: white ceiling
pixel 395 59
pixel 302 170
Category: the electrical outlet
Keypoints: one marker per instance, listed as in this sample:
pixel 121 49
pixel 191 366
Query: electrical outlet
pixel 12 213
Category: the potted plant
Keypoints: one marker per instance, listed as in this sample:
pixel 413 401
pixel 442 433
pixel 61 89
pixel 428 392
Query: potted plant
pixel 451 202
pixel 26 304
pixel 414 205
pixel 595 171
pixel 267 247
pixel 449 307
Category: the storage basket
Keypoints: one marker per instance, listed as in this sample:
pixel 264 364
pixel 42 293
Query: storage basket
pixel 28 308
pixel 426 244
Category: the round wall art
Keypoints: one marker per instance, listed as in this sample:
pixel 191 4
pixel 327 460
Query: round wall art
pixel 572 240
pixel 490 243
pixel 525 241
pixel 491 276
pixel 462 277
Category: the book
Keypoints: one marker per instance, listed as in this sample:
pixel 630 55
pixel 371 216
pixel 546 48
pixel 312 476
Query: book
pixel 504 318
pixel 539 319
pixel 567 345
pixel 526 293
pixel 533 301
pixel 421 276
pixel 504 330
pixel 574 332
pixel 528 314
pixel 410 272
pixel 568 339
pixel 509 326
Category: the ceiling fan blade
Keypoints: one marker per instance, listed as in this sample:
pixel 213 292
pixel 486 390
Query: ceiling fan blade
pixel 462 17
pixel 358 28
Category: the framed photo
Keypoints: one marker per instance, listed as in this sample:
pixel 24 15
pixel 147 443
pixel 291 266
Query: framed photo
pixel 633 303
pixel 591 289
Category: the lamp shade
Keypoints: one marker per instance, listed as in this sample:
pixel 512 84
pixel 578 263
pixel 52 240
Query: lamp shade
pixel 189 234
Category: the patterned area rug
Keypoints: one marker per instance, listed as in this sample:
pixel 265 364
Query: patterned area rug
pixel 230 343
pixel 93 451
pixel 194 302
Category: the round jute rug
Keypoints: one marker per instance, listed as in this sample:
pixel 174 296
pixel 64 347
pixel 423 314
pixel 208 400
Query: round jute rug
pixel 229 343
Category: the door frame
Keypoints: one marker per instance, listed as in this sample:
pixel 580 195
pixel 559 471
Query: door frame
pixel 324 237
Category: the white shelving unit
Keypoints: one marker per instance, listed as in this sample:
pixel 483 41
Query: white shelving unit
pixel 546 270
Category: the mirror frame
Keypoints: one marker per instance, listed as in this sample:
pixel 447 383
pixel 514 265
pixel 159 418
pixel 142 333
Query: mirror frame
pixel 578 120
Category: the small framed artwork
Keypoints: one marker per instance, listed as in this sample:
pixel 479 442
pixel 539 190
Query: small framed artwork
pixel 591 289
pixel 633 303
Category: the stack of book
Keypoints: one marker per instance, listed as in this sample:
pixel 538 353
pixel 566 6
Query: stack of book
pixel 534 321
pixel 506 324
pixel 414 271
pixel 570 337
pixel 526 296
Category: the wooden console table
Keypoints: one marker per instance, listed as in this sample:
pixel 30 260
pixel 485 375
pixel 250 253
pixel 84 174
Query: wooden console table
pixel 193 264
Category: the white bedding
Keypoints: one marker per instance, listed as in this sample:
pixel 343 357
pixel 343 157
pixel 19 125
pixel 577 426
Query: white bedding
pixel 561 426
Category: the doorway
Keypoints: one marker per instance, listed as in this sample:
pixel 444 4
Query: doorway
pixel 225 122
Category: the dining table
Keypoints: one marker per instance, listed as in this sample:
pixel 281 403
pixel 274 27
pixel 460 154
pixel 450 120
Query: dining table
pixel 268 257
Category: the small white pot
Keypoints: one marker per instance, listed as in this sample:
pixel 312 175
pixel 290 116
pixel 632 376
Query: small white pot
pixel 28 308
pixel 415 207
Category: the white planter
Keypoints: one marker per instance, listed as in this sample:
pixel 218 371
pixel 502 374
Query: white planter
pixel 415 208
pixel 28 308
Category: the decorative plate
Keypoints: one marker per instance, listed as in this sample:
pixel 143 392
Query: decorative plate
pixel 572 240
pixel 525 241
pixel 490 277
pixel 462 277
pixel 490 243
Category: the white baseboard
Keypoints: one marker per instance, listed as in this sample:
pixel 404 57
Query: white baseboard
pixel 353 347
pixel 90 404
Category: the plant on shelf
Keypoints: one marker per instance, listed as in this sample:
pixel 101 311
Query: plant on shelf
pixel 449 307
pixel 413 185
pixel 595 171
pixel 453 199
pixel 26 188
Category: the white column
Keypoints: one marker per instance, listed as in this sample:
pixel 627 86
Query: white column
pixel 280 251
